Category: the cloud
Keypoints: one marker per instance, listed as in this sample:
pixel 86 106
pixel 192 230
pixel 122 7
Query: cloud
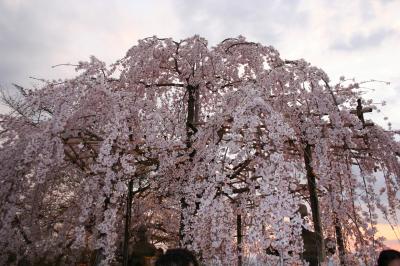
pixel 387 1
pixel 21 40
pixel 360 41
pixel 34 35
pixel 258 20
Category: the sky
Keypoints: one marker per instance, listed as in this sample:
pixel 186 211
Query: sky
pixel 357 39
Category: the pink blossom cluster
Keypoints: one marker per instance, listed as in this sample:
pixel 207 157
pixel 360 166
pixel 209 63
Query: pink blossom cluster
pixel 207 135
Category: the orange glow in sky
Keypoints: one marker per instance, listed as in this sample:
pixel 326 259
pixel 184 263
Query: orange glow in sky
pixel 386 231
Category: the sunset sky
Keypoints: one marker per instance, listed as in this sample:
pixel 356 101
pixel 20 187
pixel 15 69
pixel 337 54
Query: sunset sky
pixel 357 39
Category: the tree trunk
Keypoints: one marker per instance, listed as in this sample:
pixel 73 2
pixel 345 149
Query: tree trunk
pixel 339 241
pixel 197 106
pixel 192 113
pixel 182 223
pixel 127 223
pixel 316 216
pixel 239 238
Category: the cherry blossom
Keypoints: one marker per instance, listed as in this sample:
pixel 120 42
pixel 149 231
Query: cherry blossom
pixel 222 145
